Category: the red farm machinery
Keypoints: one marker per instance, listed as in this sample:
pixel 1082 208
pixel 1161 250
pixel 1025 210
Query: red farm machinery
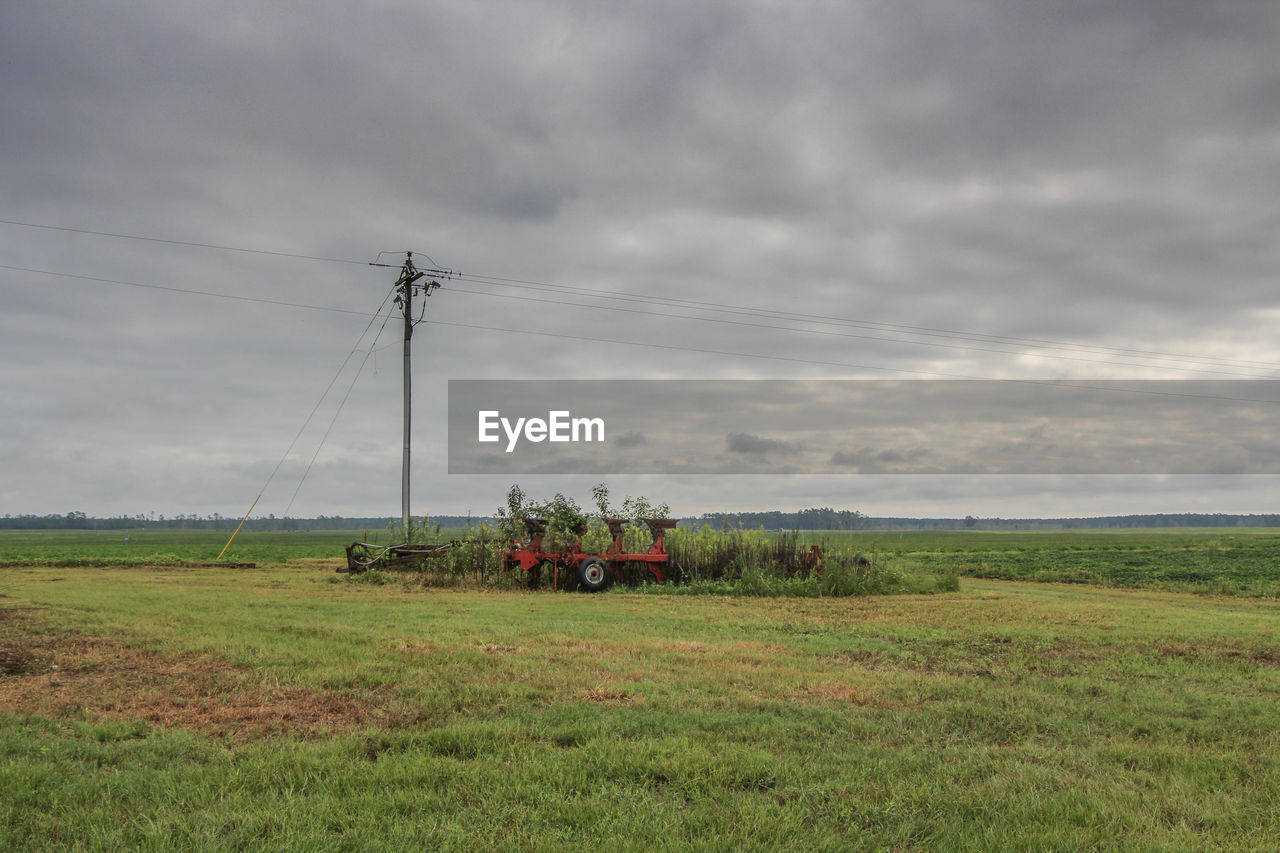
pixel 594 571
pixel 542 558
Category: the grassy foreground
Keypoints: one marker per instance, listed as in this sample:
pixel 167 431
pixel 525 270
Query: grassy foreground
pixel 278 709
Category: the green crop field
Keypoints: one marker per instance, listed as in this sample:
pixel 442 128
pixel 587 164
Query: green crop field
pixel 1224 561
pixel 167 547
pixel 289 708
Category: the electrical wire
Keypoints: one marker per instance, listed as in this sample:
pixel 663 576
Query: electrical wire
pixel 923 331
pixel 967 347
pixel 187 291
pixel 902 370
pixel 327 389
pixel 341 403
pixel 706 306
pixel 699 305
pixel 630 297
pixel 282 303
pixel 179 242
pixel 514 331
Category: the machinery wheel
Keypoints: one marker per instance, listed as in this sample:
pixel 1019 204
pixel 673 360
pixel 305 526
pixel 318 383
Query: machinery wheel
pixel 593 574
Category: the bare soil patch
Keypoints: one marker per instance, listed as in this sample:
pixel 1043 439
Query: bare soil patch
pixel 859 696
pixel 55 673
pixel 605 696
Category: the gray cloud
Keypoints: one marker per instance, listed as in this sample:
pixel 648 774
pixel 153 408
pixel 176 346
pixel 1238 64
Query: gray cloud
pixel 869 460
pixel 630 439
pixel 1094 172
pixel 756 445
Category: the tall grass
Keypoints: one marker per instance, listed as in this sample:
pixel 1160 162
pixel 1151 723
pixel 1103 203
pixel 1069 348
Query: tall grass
pixel 708 554
pixel 704 561
pixel 753 563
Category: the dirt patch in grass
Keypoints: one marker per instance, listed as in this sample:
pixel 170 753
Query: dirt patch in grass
pixel 499 648
pixel 605 696
pixel 16 660
pixel 415 648
pixel 859 696
pixel 49 671
pixel 1257 652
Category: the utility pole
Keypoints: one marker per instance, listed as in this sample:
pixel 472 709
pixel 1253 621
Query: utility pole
pixel 406 287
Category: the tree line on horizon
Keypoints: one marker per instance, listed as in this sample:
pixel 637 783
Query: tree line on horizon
pixel 816 518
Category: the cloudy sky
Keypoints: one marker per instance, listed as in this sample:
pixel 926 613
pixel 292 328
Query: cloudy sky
pixel 994 189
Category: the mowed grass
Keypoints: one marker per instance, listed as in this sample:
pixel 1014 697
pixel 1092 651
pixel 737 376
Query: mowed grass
pixel 285 708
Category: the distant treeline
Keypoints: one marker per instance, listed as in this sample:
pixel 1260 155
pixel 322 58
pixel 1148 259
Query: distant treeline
pixel 79 521
pixel 823 518
pixel 806 519
pixel 827 519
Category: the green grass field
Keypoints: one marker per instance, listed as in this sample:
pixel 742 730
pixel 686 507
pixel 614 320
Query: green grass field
pixel 1223 561
pixel 288 708
pixel 167 547
pixel 151 706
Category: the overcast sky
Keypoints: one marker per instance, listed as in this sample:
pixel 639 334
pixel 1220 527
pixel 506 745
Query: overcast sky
pixel 961 188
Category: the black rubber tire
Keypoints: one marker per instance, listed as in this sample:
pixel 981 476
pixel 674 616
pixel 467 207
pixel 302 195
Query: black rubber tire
pixel 594 574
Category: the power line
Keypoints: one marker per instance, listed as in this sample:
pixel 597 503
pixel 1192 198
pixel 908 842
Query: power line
pixel 328 388
pixel 650 345
pixel 343 402
pixel 968 347
pixel 179 242
pixel 716 307
pixel 282 303
pixel 301 429
pixel 219 247
pixel 646 344
pixel 924 331
pixel 904 370
pixel 187 291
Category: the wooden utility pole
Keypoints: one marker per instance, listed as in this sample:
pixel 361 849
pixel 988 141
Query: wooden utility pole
pixel 406 286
